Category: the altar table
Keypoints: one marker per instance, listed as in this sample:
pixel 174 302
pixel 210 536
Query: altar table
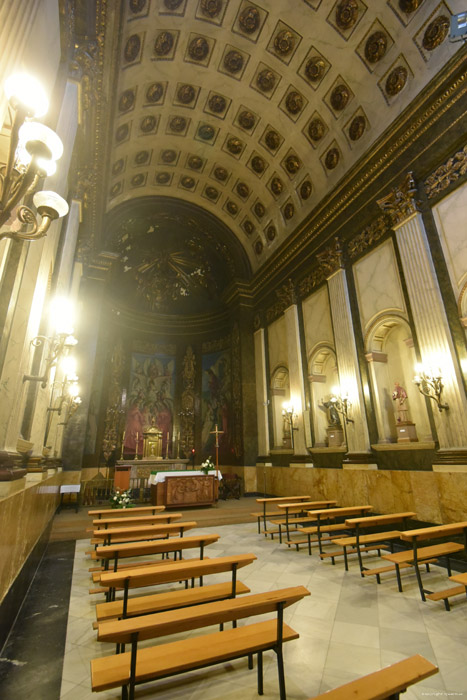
pixel 184 489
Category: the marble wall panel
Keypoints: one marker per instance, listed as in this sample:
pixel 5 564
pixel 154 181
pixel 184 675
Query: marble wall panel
pixel 380 491
pixel 452 489
pixel 450 216
pixel 426 497
pixel 277 344
pixel 317 320
pixel 402 491
pixel 378 284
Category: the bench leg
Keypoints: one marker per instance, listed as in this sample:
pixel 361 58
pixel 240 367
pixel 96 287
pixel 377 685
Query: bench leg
pixel 309 544
pixel 346 561
pixel 250 661
pixel 399 582
pixel 259 526
pixel 419 579
pixel 280 671
pixel 260 673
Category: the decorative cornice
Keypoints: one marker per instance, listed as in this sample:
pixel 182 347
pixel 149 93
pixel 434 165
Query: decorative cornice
pixel 331 258
pixel 446 174
pixel 312 280
pixel 216 345
pixel 400 204
pixel 370 235
pixel 286 296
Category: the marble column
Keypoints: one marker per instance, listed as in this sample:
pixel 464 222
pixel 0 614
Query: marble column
pixel 297 388
pixel 262 399
pixel 431 324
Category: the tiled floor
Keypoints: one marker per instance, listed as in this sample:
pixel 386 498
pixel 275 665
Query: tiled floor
pixel 348 627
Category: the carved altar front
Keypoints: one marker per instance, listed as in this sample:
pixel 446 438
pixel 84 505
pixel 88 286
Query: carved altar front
pixel 185 491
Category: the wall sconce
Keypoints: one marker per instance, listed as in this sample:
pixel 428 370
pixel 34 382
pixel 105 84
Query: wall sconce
pixel 289 414
pixel 32 153
pixel 430 384
pixel 342 405
pixel 69 397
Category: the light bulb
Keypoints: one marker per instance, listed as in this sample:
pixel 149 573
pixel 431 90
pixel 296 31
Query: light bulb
pixel 23 89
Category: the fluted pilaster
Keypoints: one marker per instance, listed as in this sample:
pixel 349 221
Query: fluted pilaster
pixel 261 392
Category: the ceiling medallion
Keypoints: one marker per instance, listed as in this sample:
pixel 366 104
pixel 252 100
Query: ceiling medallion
pixel 116 189
pixel 376 47
pixel 259 210
pixel 340 97
pixel 315 68
pixel 217 103
pixel 436 33
pixel 272 140
pixel 137 6
pixel 211 192
pixel 271 232
pixel 198 49
pixel 187 182
pixel 409 6
pixel 289 211
pixel 246 119
pixel 294 102
pixel 305 189
pixel 332 158
pixel 186 94
pixel 141 157
pixel 162 178
pixel 248 227
pixel 243 190
pixel 148 124
pixel 316 129
pixel 126 100
pixel 211 8
pixel 234 145
pixel 277 186
pixel 292 164
pixel 249 20
pixel 154 92
pixel 221 174
pixel 163 44
pixel 138 180
pixel 206 132
pixel 284 42
pixel 177 124
pixel 266 80
pixel 122 133
pixel 168 156
pixel 258 164
pixel 346 14
pixel 356 128
pixel 117 167
pixel 132 48
pixel 172 4
pixel 258 247
pixel 231 207
pixel 396 80
pixel 195 162
pixel 233 61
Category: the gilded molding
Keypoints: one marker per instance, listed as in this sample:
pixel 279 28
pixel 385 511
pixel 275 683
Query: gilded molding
pixel 187 413
pixel 400 204
pixel 371 234
pixel 446 174
pixel 114 412
pixel 331 258
pixel 216 345
pixel 310 282
pixel 286 296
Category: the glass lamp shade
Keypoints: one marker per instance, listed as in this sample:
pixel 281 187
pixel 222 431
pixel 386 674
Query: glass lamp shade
pixel 22 89
pixel 62 316
pixel 40 141
pixel 46 167
pixel 50 202
pixel 73 391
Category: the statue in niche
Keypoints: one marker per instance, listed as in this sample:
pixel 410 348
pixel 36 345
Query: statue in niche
pixel 334 420
pixel 399 395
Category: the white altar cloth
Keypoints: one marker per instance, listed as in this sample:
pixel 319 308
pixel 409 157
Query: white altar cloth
pixel 160 477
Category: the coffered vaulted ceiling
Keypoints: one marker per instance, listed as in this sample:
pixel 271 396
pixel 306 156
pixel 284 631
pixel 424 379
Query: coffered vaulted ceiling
pixel 255 111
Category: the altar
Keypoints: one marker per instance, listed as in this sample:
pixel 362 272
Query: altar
pixel 139 470
pixel 184 489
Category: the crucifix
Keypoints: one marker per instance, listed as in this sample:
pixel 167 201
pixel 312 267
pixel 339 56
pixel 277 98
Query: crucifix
pixel 217 432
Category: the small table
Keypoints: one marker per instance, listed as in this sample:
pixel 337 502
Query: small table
pixel 69 488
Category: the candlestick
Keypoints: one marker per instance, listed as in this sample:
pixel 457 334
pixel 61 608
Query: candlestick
pixel 123 445
pixel 137 441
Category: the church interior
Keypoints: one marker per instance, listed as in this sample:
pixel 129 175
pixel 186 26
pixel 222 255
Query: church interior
pixel 235 232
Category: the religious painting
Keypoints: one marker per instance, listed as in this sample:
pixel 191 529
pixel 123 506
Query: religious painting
pixel 216 405
pixel 150 402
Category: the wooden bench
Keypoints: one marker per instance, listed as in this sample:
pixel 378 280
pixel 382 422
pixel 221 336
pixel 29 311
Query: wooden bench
pixel 385 684
pixel 275 500
pixel 121 512
pixel 361 543
pixel 298 510
pixel 172 573
pixel 418 555
pixel 141 532
pixel 172 658
pixel 321 528
pixel 104 523
pixel 458 590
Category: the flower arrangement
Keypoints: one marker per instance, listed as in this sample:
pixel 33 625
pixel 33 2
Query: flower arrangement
pixel 208 465
pixel 121 499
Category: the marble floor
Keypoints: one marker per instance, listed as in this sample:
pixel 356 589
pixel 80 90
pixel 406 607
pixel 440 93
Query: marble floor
pixel 348 627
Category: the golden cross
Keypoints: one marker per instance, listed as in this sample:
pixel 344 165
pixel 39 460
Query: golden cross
pixel 217 432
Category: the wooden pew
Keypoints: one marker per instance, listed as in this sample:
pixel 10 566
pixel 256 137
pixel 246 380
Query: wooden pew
pixel 128 520
pixel 462 588
pixel 141 532
pixel 171 573
pixel 419 555
pixel 321 527
pixel 298 510
pixel 121 512
pixel 116 552
pixel 274 501
pixel 361 542
pixel 385 684
pixel 172 658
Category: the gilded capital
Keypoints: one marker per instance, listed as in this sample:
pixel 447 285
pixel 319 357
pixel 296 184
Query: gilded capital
pixel 400 204
pixel 331 259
